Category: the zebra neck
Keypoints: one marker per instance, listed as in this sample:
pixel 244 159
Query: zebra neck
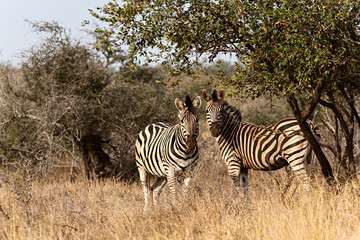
pixel 227 128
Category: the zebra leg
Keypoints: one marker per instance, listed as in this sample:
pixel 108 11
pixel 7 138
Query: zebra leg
pixel 189 176
pixel 157 188
pixel 298 168
pixel 244 180
pixel 289 178
pixel 144 180
pixel 172 182
pixel 234 173
pixel 187 181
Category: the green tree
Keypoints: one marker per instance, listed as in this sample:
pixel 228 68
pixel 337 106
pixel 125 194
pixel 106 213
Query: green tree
pixel 295 48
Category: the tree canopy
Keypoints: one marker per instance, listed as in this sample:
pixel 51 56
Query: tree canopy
pixel 287 46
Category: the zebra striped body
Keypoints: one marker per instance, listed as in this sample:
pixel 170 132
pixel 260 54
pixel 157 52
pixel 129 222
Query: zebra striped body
pixel 163 149
pixel 164 144
pixel 246 146
pixel 262 147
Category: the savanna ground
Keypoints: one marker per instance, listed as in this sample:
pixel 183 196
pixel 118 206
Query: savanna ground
pixel 60 209
pixel 57 208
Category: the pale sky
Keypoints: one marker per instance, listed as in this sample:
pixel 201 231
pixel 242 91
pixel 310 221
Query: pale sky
pixel 15 33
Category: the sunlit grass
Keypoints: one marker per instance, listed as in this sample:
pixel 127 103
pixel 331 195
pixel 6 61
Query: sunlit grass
pixel 111 210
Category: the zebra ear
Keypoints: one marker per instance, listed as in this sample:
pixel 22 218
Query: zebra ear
pixel 205 95
pixel 179 104
pixel 221 94
pixel 197 102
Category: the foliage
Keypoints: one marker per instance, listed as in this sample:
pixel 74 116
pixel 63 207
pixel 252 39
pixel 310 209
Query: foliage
pixel 287 46
pixel 173 32
pixel 297 44
pixel 53 101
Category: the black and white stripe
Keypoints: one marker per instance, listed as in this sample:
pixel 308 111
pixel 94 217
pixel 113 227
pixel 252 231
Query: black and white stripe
pixel 246 146
pixel 162 149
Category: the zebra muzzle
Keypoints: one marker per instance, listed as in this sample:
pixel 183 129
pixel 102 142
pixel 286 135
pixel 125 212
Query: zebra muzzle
pixel 191 142
pixel 214 129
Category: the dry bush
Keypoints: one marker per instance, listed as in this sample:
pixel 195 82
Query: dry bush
pixel 263 110
pixel 66 108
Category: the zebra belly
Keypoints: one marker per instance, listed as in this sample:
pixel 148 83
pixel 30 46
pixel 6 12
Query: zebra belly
pixel 152 165
pixel 181 165
pixel 280 163
pixel 155 165
pixel 276 155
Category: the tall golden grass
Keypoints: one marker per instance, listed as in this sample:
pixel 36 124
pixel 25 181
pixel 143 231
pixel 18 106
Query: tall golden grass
pixel 110 210
pixel 59 209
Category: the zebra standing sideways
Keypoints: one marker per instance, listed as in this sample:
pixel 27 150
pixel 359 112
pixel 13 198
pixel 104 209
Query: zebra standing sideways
pixel 245 146
pixel 162 149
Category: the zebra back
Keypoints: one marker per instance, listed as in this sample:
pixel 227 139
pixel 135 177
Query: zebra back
pixel 262 147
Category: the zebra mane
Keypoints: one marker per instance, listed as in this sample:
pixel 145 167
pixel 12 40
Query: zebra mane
pixel 233 111
pixel 236 114
pixel 188 103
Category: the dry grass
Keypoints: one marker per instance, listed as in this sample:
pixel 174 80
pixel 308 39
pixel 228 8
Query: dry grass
pixel 112 210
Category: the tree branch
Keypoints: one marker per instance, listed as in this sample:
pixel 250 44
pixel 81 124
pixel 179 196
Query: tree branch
pixel 351 104
pixel 14 149
pixel 314 100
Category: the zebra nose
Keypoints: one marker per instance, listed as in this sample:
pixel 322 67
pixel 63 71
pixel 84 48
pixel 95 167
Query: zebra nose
pixel 189 137
pixel 214 128
pixel 191 141
pixel 215 123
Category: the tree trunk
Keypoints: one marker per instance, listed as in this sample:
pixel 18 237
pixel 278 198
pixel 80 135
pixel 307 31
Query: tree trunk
pixel 96 162
pixel 337 140
pixel 350 168
pixel 350 100
pixel 301 118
